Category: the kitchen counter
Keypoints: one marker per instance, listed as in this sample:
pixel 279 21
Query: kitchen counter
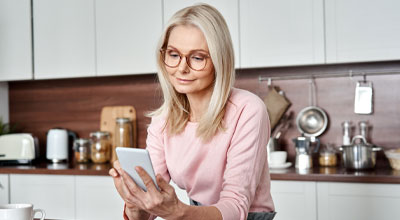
pixel 381 174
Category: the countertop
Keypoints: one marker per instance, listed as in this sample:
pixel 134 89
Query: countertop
pixel 381 174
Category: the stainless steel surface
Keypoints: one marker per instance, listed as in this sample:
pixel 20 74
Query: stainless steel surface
pixel 312 121
pixel 272 146
pixel 359 155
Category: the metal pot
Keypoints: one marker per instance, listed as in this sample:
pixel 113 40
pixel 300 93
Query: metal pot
pixel 359 155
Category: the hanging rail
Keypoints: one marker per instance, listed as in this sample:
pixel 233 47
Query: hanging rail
pixel 328 75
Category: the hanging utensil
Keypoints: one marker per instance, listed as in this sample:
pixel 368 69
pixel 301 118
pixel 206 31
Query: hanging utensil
pixel 312 121
pixel 363 97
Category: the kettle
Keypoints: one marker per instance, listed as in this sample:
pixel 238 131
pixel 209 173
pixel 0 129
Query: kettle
pixel 58 144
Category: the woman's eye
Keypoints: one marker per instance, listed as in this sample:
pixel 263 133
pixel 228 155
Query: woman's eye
pixel 197 57
pixel 173 54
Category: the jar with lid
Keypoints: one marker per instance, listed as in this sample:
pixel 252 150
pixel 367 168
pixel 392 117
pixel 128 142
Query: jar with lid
pixel 82 150
pixel 101 146
pixel 122 135
pixel 328 157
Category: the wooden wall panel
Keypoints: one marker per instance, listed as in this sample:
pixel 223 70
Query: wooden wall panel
pixel 38 106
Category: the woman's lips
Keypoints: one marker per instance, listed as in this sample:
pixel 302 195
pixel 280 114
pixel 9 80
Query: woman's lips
pixel 185 80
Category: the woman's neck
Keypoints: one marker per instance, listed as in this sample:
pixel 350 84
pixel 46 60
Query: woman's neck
pixel 198 104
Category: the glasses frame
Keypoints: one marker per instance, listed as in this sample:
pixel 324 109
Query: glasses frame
pixel 163 52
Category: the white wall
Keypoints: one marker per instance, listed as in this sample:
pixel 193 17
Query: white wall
pixel 4 101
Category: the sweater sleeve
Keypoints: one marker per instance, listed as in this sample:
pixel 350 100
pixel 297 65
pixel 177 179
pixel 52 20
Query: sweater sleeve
pixel 155 146
pixel 246 158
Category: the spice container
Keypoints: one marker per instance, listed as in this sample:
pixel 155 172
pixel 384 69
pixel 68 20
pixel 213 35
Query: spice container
pixel 82 150
pixel 327 156
pixel 327 159
pixel 101 146
pixel 122 135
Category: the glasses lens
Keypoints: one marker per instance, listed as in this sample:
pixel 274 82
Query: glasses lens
pixel 171 58
pixel 197 61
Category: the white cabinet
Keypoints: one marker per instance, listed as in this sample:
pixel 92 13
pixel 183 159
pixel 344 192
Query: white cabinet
pixel 4 189
pixel 294 199
pixel 348 201
pixel 53 193
pixel 281 33
pixel 228 8
pixel 64 38
pixel 358 30
pixel 15 40
pixel 127 34
pixel 97 198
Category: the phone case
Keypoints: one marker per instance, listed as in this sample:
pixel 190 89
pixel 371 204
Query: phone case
pixel 129 158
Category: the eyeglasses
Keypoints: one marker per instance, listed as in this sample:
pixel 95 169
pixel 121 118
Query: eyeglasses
pixel 196 60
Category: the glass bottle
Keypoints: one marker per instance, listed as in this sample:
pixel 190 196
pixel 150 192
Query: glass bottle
pixel 101 146
pixel 346 125
pixel 122 135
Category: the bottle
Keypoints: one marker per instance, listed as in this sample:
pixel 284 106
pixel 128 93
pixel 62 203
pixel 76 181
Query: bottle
pixel 101 146
pixel 122 135
pixel 363 125
pixel 346 125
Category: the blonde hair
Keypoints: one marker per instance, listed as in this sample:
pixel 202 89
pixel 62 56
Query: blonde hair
pixel 176 106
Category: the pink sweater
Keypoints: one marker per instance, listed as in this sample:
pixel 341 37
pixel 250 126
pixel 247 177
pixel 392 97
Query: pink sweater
pixel 231 171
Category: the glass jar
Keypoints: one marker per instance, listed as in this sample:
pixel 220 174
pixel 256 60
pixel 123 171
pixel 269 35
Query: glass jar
pixel 122 135
pixel 328 159
pixel 82 150
pixel 101 146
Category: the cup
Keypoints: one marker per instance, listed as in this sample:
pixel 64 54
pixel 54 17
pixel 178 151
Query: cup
pixel 19 212
pixel 278 157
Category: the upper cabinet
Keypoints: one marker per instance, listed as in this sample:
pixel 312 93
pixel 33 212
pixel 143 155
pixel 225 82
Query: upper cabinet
pixel 281 33
pixel 15 40
pixel 127 33
pixel 64 38
pixel 358 31
pixel 228 8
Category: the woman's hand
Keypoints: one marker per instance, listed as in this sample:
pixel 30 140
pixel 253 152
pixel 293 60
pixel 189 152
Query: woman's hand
pixel 163 203
pixel 131 210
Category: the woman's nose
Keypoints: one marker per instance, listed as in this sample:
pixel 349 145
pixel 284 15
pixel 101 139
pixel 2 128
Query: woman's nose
pixel 183 66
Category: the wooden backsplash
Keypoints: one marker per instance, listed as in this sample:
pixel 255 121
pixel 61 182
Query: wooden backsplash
pixel 75 104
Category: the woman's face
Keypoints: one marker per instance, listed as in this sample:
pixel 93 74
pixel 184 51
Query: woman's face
pixel 188 42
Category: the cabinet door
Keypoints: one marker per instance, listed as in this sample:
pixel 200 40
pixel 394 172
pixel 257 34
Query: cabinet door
pixel 4 189
pixel 64 38
pixel 97 198
pixel 348 201
pixel 53 193
pixel 294 199
pixel 15 40
pixel 281 33
pixel 127 32
pixel 228 8
pixel 358 30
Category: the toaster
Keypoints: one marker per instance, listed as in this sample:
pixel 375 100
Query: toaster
pixel 18 148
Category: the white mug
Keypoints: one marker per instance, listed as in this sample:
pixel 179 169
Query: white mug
pixel 278 157
pixel 19 212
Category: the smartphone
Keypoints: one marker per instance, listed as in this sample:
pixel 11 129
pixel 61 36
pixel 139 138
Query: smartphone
pixel 129 158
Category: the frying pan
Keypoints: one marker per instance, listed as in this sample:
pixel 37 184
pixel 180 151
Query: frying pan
pixel 312 121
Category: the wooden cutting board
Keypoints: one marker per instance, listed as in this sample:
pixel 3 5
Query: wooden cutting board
pixel 107 122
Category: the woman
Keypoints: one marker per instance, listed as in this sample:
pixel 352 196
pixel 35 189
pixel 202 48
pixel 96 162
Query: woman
pixel 208 137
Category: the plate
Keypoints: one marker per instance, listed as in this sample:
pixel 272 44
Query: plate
pixel 280 166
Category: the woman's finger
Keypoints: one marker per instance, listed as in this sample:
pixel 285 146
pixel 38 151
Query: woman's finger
pixel 130 184
pixel 164 186
pixel 147 180
pixel 113 172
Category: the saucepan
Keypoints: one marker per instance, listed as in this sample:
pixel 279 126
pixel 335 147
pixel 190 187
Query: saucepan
pixel 361 155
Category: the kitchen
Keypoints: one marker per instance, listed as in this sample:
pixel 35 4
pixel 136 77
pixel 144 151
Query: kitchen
pixel 82 66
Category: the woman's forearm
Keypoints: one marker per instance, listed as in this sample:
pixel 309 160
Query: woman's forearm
pixel 200 213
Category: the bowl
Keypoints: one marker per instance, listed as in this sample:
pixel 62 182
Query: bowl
pixel 312 121
pixel 394 158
